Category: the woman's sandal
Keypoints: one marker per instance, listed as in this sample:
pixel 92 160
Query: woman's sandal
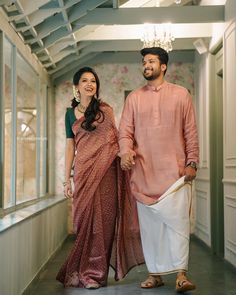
pixel 152 282
pixel 92 286
pixel 184 285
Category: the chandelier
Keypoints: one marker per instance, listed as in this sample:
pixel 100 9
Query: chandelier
pixel 158 35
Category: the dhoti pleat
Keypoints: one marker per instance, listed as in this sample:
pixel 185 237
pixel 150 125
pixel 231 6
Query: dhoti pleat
pixel 165 228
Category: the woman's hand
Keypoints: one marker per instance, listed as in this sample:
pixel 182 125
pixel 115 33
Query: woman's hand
pixel 127 161
pixel 68 189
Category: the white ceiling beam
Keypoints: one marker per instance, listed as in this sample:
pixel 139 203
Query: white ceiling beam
pixel 30 6
pixel 116 45
pixel 73 65
pixel 69 48
pixel 133 32
pixel 82 8
pixel 65 16
pixel 7 2
pixel 71 3
pixel 61 5
pixel 27 7
pixel 61 64
pixel 115 3
pixel 61 55
pixel 52 39
pixel 174 14
pixel 134 45
pixel 60 45
pixel 41 14
pixel 85 31
pixel 55 36
pixel 31 29
pixel 48 26
pixel 141 3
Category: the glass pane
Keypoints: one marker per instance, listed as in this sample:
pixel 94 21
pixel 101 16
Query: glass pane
pixel 8 51
pixel 26 131
pixel 43 139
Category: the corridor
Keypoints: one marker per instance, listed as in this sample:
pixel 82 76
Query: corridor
pixel 211 274
pixel 43 44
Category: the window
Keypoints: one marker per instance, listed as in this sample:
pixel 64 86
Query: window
pixel 43 140
pixel 8 61
pixel 26 130
pixel 24 138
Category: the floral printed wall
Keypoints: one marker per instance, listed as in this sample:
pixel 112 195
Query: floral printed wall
pixel 115 80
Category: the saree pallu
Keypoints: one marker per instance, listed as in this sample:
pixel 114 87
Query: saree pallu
pixel 102 209
pixel 165 229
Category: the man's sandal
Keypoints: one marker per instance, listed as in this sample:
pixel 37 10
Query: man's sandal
pixel 184 285
pixel 152 282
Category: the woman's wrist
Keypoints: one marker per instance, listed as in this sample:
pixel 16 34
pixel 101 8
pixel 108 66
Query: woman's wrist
pixel 66 182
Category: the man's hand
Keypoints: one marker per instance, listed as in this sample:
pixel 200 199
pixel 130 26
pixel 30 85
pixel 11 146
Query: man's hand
pixel 127 161
pixel 190 173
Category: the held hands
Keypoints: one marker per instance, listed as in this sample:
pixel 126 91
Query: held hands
pixel 68 189
pixel 127 161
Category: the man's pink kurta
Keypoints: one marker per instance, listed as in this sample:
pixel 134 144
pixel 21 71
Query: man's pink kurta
pixel 159 125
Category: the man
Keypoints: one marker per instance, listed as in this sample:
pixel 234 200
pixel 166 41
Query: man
pixel 159 144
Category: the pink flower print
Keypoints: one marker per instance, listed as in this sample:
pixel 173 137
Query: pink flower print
pixel 124 70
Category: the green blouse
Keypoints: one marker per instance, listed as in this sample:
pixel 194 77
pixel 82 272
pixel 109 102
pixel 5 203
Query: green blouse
pixel 69 121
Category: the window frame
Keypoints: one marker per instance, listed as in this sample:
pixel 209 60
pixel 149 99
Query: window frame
pixel 39 135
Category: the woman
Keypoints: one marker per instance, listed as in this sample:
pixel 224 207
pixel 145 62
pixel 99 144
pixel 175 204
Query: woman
pixel 100 191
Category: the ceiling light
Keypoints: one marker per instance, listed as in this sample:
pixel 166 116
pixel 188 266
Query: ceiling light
pixel 158 36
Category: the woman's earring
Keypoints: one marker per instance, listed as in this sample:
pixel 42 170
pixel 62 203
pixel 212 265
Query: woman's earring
pixel 76 94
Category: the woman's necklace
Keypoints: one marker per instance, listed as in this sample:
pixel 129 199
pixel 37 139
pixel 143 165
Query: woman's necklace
pixel 81 108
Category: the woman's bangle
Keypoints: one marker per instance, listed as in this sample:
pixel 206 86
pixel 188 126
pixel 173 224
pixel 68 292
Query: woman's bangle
pixel 66 182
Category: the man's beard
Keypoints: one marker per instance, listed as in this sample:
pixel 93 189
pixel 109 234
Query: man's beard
pixel 152 77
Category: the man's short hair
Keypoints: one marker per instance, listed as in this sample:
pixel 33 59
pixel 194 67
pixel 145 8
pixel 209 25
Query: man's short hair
pixel 160 52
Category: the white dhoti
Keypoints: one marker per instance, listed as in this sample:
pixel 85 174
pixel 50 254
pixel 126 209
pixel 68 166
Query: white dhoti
pixel 165 229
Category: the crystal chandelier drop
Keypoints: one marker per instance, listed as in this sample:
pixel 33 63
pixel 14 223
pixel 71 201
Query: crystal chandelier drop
pixel 158 35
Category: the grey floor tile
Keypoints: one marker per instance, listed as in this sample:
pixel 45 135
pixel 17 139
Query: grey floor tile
pixel 211 274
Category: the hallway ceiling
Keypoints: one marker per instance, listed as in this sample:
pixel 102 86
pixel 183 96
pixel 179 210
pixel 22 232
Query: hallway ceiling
pixel 66 34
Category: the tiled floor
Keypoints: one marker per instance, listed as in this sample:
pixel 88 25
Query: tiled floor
pixel 211 274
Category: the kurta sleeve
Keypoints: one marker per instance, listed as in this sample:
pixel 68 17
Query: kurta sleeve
pixel 190 132
pixel 126 128
pixel 68 124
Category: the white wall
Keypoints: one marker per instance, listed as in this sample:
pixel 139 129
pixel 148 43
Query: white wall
pixel 27 246
pixel 217 35
pixel 213 2
pixel 226 32
pixel 202 214
pixel 230 10
pixel 230 141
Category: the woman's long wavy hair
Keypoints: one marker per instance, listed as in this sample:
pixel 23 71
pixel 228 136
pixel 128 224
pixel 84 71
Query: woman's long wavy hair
pixel 93 112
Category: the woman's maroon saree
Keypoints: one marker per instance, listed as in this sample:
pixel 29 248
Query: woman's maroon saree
pixel 104 213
